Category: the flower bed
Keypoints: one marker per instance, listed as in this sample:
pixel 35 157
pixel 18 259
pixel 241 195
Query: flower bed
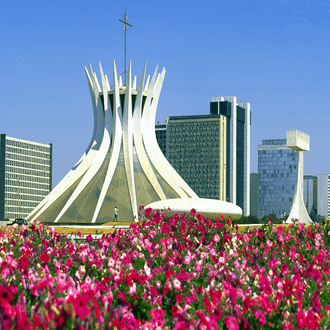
pixel 185 272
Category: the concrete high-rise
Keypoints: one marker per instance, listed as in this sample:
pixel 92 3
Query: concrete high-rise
pixel 310 193
pixel 212 152
pixel 323 190
pixel 277 169
pixel 197 150
pixel 25 176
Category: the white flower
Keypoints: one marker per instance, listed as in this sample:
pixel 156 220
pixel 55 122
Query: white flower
pixel 176 284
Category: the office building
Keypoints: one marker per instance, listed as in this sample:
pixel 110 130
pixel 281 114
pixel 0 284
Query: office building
pixel 212 152
pixel 323 189
pixel 198 153
pixel 310 193
pixel 25 176
pixel 254 193
pixel 277 170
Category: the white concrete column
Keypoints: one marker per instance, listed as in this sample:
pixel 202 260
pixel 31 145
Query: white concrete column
pixel 300 142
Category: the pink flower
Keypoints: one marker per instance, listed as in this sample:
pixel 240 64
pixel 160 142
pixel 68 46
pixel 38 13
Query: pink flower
pixel 268 290
pixel 5 296
pixel 192 212
pixel 300 317
pixel 231 323
pixel 311 321
pixel 216 297
pixel 287 287
pixel 44 257
pixel 216 238
pixel 260 317
pixel 246 304
pixel 147 211
pixel 207 304
pixel 23 321
pixel 23 262
pixel 178 298
pixel 80 306
pixel 89 238
pixel 174 311
pixel 187 260
pixel 131 323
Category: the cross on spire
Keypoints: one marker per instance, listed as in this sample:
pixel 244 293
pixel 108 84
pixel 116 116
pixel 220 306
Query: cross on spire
pixel 126 25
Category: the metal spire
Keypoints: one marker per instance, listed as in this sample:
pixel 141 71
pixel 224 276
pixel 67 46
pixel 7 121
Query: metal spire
pixel 126 25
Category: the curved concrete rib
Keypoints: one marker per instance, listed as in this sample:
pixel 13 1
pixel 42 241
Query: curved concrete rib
pixel 92 170
pixel 109 127
pixel 117 132
pixel 101 139
pixel 128 142
pixel 159 154
pixel 156 156
pixel 81 166
pixel 137 135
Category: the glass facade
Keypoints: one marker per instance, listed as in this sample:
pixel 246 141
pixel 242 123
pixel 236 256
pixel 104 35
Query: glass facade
pixel 277 175
pixel 25 175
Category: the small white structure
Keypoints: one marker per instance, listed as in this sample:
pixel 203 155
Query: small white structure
pixel 298 141
pixel 207 207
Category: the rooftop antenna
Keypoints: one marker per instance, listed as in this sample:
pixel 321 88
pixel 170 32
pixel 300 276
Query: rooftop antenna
pixel 126 25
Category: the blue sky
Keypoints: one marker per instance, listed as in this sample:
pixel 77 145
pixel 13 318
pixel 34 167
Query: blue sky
pixel 273 54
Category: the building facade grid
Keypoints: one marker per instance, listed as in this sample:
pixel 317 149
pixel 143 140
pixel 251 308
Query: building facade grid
pixel 25 177
pixel 195 143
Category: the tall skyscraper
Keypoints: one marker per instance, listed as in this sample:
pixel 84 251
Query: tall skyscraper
pixel 25 176
pixel 277 169
pixel 323 190
pixel 212 152
pixel 310 193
